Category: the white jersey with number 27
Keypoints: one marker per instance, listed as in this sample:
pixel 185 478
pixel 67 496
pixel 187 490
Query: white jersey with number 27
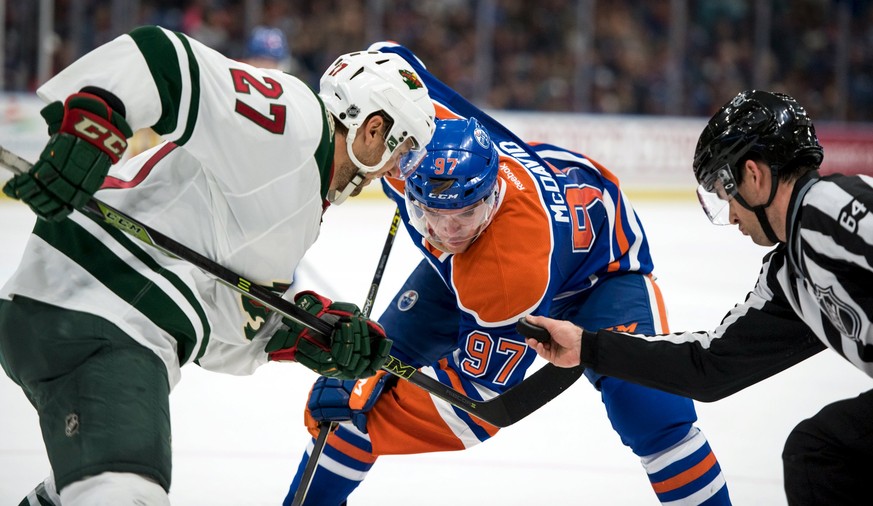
pixel 241 180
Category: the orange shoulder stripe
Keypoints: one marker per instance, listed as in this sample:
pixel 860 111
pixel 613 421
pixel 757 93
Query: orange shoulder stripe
pixel 443 112
pixel 397 185
pixel 620 236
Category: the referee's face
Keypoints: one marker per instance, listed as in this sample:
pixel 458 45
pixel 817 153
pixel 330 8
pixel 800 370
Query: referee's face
pixel 754 190
pixel 748 223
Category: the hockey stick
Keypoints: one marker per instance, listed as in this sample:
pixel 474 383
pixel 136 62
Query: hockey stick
pixel 325 429
pixel 500 411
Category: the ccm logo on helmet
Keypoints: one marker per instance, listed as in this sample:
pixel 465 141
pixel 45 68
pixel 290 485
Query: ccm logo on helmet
pixel 442 196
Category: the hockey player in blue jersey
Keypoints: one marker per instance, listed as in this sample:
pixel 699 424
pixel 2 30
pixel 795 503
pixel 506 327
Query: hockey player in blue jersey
pixel 584 249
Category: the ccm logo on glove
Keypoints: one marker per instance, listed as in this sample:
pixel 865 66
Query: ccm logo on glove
pixel 84 125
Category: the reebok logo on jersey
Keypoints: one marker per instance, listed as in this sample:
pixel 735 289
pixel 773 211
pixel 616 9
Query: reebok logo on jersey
pixel 407 300
pixel 554 196
pixel 504 167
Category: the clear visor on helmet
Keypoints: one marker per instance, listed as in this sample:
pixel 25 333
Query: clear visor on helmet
pixel 400 158
pixel 715 193
pixel 451 230
pixel 408 157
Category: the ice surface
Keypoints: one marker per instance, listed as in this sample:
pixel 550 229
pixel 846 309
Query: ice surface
pixel 237 440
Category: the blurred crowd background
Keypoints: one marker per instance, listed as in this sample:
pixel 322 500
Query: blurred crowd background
pixel 640 57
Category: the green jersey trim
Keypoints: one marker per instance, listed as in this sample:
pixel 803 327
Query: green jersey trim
pixel 124 281
pixel 160 55
pixel 194 108
pixel 164 65
pixel 324 153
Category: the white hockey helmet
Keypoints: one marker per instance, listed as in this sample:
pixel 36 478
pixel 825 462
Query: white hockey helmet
pixel 358 84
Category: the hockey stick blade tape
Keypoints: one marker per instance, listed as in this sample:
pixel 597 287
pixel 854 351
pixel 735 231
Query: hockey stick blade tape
pixel 528 329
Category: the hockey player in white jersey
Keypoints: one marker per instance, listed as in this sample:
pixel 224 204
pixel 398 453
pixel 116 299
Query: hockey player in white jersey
pixel 756 162
pixel 94 326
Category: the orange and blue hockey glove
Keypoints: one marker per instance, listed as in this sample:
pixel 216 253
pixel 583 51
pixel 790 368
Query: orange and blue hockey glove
pixel 334 400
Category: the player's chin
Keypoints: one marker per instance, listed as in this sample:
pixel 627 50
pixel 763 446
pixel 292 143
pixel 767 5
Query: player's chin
pixel 762 240
pixel 452 247
pixel 360 188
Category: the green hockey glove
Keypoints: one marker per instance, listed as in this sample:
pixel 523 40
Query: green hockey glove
pixel 357 349
pixel 87 137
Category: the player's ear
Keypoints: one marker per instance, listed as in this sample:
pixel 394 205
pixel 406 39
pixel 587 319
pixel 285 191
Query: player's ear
pixel 375 129
pixel 753 172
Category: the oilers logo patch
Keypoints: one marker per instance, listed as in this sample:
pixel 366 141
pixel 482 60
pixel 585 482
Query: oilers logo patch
pixel 407 300
pixel 482 138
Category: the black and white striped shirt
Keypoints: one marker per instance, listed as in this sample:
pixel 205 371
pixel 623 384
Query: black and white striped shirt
pixel 814 291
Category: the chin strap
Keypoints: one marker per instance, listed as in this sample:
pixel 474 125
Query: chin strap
pixel 765 224
pixel 337 197
pixel 760 210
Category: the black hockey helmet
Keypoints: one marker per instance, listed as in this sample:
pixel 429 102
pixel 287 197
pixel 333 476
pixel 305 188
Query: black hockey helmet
pixel 771 125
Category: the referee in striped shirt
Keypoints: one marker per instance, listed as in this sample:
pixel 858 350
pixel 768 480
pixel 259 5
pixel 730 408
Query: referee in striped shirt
pixel 757 164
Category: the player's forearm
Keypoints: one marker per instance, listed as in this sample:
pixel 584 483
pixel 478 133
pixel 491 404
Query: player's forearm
pixel 697 365
pixel 676 368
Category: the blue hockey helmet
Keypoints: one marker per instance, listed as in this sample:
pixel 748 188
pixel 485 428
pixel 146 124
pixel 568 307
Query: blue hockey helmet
pixel 459 169
pixel 452 195
pixel 267 43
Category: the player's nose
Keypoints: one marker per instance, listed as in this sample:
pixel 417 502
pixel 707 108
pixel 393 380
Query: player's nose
pixel 447 226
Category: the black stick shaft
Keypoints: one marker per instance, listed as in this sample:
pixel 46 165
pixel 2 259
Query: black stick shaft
pixel 501 411
pixel 326 428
